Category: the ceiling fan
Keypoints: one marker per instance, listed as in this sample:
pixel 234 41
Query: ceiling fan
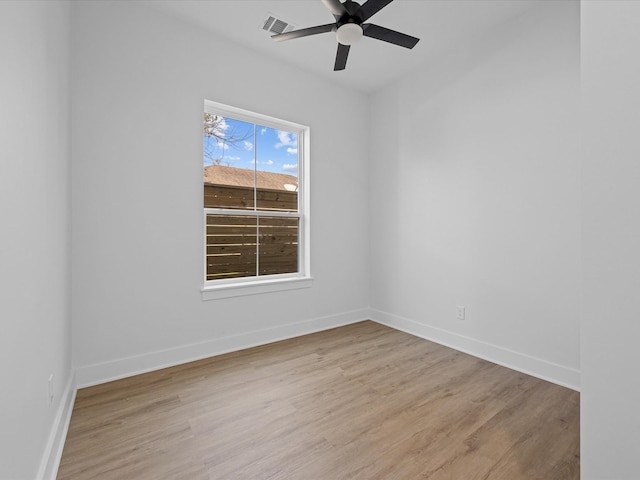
pixel 350 27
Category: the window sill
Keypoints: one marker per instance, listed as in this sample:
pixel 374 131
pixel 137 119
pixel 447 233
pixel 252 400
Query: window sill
pixel 254 288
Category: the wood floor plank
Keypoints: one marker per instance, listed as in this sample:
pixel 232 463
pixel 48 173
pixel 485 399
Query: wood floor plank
pixel 357 402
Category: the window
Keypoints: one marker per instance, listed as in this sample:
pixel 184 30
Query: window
pixel 255 199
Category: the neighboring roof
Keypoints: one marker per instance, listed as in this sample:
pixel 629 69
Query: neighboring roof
pixel 243 177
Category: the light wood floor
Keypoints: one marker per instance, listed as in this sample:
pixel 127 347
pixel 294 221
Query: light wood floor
pixel 357 402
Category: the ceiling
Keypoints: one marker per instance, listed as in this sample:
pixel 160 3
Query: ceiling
pixel 372 64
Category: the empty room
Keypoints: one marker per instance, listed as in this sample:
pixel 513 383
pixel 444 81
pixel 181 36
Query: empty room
pixel 319 240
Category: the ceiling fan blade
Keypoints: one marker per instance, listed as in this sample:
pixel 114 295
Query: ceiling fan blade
pixel 390 36
pixel 341 57
pixel 371 7
pixel 335 7
pixel 304 32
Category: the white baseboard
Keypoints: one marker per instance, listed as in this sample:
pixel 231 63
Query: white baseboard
pixel 126 367
pixel 552 372
pixel 53 452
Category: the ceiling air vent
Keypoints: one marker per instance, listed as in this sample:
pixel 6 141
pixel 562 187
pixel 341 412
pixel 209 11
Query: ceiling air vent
pixel 274 25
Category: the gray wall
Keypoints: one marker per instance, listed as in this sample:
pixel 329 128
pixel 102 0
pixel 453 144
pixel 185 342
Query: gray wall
pixel 35 339
pixel 139 81
pixel 610 360
pixel 475 196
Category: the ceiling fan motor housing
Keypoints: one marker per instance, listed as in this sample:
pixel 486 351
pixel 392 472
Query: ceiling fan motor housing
pixel 351 15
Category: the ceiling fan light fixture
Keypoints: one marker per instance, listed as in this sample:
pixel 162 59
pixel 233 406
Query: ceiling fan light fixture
pixel 349 33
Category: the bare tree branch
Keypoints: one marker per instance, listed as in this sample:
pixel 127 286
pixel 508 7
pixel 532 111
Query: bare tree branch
pixel 223 136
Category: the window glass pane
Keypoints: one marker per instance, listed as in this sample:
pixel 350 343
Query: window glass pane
pixel 276 163
pixel 231 246
pixel 228 147
pixel 278 249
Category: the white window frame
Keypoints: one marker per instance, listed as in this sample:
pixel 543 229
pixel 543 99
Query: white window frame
pixel 233 287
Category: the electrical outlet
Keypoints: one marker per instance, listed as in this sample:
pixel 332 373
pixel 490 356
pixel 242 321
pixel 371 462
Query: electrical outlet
pixel 460 312
pixel 50 389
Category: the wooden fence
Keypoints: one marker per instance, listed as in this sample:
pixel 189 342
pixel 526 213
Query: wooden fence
pixel 247 245
pixel 225 196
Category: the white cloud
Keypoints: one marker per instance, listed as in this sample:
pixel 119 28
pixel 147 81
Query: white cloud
pixel 248 145
pixel 288 140
pixel 253 162
pixel 263 131
pixel 290 167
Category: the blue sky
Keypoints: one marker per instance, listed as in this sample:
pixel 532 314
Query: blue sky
pixel 237 146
